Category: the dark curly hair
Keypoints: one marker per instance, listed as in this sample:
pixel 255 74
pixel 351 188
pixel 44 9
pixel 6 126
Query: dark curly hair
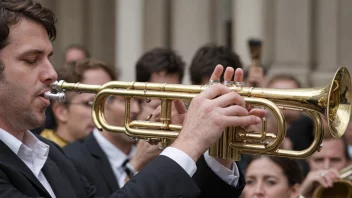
pixel 290 167
pixel 12 11
pixel 157 60
pixel 206 59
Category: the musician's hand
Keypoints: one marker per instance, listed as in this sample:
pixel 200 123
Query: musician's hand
pixel 324 178
pixel 237 77
pixel 209 113
pixel 145 153
pixel 255 77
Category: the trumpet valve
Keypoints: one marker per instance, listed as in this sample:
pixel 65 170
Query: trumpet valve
pixel 164 143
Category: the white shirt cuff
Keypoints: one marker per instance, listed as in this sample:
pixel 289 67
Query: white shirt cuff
pixel 181 158
pixel 229 176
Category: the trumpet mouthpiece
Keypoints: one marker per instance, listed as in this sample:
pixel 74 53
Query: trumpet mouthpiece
pixel 60 97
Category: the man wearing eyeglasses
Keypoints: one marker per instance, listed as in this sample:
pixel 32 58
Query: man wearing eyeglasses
pixel 73 118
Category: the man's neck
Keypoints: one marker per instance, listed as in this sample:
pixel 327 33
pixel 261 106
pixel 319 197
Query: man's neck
pixel 125 147
pixel 64 134
pixel 16 133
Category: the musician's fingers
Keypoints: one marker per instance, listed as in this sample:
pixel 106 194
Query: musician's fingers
pixel 240 120
pixel 258 112
pixel 230 98
pixel 238 75
pixel 214 91
pixel 228 73
pixel 234 110
pixel 217 72
pixel 180 107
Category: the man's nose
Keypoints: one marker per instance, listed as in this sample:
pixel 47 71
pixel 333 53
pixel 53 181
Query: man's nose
pixel 327 163
pixel 48 74
pixel 259 189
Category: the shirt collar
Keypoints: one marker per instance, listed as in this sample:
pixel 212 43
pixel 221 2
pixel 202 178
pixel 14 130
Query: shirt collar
pixel 11 141
pixel 111 151
pixel 29 141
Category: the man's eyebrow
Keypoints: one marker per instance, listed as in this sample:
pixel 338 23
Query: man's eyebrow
pixel 35 51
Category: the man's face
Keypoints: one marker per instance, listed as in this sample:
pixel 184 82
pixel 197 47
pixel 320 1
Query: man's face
pixel 157 77
pixel 27 74
pixel 74 54
pixel 79 112
pixel 332 155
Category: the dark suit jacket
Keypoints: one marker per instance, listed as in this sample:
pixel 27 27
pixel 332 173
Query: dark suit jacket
pixel 16 179
pixel 91 161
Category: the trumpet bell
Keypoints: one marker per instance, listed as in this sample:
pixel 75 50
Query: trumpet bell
pixel 341 189
pixel 339 103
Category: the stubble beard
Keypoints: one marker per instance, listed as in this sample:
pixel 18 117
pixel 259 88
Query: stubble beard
pixel 15 112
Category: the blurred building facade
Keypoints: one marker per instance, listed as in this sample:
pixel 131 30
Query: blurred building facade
pixel 307 38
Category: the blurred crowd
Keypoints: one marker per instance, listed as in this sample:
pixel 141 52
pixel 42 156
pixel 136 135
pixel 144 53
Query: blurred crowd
pixel 70 124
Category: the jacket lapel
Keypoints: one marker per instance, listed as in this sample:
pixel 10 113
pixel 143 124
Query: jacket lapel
pixel 58 183
pixel 10 158
pixel 102 161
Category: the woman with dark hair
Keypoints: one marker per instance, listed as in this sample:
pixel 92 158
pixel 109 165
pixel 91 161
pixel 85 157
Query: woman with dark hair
pixel 272 177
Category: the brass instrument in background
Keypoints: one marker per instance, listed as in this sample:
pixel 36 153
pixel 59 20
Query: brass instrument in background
pixel 255 49
pixel 340 189
pixel 332 101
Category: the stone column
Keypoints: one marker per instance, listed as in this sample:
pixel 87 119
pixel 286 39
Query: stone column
pixel 190 28
pixel 292 44
pixel 129 36
pixel 252 19
pixel 156 24
pixel 70 25
pixel 326 42
pixel 345 33
pixel 100 31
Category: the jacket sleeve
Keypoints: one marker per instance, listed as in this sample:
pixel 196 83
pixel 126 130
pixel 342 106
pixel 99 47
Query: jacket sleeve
pixel 161 178
pixel 211 185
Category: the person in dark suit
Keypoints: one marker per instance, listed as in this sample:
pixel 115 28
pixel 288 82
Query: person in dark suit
pixel 31 166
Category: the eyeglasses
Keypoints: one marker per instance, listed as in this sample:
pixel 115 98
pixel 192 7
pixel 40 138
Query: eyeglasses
pixel 87 104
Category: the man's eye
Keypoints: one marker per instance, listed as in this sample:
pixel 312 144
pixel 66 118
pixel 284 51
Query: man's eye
pixel 30 61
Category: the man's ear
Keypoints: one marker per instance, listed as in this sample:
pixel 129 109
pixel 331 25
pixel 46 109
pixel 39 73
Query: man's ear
pixel 60 111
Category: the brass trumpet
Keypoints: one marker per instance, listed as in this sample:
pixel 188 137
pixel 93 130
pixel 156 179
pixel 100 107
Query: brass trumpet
pixel 341 188
pixel 332 101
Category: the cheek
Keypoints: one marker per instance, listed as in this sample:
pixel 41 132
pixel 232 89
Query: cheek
pixel 248 191
pixel 279 191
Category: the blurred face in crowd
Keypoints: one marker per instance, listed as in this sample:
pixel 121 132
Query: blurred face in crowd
pixel 264 178
pixel 77 114
pixel 115 114
pixel 157 77
pixel 26 76
pixel 74 54
pixel 332 155
pixel 290 115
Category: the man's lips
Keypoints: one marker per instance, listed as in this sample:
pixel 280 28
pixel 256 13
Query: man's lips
pixel 44 100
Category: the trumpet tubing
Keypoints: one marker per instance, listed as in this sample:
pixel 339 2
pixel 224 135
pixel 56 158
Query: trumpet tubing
pixel 332 101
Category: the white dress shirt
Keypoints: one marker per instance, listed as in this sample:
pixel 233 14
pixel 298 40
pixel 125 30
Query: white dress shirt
pixel 115 156
pixel 229 176
pixel 32 152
